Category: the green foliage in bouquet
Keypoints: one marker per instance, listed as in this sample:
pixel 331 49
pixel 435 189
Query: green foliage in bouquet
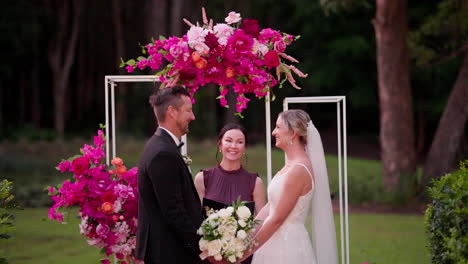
pixel 446 218
pixel 6 218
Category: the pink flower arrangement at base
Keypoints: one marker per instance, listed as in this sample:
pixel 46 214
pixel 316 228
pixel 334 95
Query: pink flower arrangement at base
pixel 236 54
pixel 107 198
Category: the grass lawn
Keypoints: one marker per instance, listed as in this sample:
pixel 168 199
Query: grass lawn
pixel 376 239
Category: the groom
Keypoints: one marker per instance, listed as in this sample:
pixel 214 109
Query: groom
pixel 169 210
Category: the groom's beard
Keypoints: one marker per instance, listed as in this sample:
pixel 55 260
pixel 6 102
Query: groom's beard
pixel 184 129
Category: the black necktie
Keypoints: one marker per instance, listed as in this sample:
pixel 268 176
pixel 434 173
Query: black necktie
pixel 180 145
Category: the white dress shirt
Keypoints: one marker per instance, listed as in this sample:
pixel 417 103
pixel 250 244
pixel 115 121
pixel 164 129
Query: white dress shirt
pixel 176 140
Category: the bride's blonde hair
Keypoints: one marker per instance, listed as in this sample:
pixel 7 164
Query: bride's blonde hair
pixel 296 120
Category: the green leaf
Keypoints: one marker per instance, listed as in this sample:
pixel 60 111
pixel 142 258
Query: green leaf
pixel 131 62
pixel 239 115
pixel 162 38
pixel 73 158
pixel 140 58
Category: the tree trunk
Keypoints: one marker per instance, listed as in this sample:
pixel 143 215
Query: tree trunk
pixel 121 109
pixel 35 95
pixel 22 99
pixel 156 19
pixel 396 110
pixel 61 56
pixel 176 17
pixel 229 116
pixel 449 134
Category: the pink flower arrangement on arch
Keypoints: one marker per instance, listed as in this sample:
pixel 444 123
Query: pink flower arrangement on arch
pixel 237 54
pixel 107 199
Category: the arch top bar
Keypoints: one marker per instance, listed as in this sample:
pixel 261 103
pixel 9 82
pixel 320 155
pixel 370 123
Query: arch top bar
pixel 315 99
pixel 132 78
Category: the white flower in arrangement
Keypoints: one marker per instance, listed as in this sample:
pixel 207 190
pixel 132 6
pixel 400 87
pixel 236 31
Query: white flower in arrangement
pixel 214 247
pixel 242 223
pixel 224 213
pixel 213 216
pixel 203 244
pixel 243 212
pixel 232 258
pixel 218 257
pixel 241 234
pixel 230 209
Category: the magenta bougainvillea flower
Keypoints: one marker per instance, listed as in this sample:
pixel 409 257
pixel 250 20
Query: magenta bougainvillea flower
pixel 237 55
pixel 106 197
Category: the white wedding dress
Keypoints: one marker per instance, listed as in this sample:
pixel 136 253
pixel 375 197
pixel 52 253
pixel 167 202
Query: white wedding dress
pixel 290 244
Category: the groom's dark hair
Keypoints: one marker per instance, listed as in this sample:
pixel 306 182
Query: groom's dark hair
pixel 161 99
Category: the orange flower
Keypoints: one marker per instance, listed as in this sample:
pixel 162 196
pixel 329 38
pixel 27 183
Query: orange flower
pixel 201 64
pixel 121 170
pixel 107 208
pixel 230 72
pixel 196 56
pixel 117 162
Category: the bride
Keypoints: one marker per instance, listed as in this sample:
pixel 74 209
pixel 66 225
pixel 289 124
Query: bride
pixel 300 184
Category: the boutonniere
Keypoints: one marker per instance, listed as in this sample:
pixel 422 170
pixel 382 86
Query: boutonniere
pixel 187 159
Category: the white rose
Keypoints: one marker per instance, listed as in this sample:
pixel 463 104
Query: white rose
pixel 213 216
pixel 239 246
pixel 241 234
pixel 232 258
pixel 218 257
pixel 242 223
pixel 243 212
pixel 232 17
pixel 203 244
pixel 231 229
pixel 228 236
pixel 214 247
pixel 224 213
pixel 200 231
pixel 230 209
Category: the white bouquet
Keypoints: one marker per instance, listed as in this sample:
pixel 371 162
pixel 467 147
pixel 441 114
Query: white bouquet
pixel 225 232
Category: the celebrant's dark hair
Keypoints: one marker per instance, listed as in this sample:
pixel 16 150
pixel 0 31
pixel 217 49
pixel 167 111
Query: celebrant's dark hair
pixel 161 99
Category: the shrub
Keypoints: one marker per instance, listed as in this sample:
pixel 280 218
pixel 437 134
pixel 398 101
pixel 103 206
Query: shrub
pixel 446 218
pixel 6 218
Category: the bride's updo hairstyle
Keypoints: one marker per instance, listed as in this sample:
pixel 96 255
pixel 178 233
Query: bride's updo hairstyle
pixel 296 120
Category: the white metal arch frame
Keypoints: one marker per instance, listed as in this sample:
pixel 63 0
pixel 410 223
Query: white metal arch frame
pixel 110 82
pixel 342 158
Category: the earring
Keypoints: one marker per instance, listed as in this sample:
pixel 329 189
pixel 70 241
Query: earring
pixel 290 141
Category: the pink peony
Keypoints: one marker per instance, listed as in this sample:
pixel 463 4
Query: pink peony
pixel 272 59
pixel 232 17
pixel 80 165
pixel 251 27
pixel 196 35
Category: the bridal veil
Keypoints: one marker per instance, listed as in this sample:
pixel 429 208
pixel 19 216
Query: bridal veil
pixel 321 211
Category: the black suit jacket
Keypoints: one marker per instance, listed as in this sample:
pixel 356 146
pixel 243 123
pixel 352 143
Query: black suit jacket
pixel 169 210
